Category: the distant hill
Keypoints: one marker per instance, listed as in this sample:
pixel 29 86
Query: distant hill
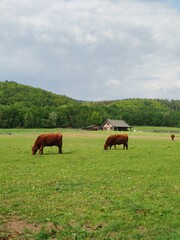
pixel 25 106
pixel 12 93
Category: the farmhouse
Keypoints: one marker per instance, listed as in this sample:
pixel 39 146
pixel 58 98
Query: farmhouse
pixel 116 125
pixel 91 127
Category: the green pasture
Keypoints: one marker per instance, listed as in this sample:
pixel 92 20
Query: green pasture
pixel 89 193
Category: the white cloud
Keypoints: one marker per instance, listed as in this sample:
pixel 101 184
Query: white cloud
pixel 112 83
pixel 92 50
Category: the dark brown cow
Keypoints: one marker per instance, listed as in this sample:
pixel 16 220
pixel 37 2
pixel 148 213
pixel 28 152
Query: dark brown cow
pixel 43 140
pixel 172 136
pixel 116 139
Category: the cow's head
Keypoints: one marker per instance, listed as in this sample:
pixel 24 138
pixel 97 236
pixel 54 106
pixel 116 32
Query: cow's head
pixel 105 146
pixel 34 150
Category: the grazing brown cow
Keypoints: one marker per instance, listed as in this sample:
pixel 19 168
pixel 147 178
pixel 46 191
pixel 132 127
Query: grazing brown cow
pixel 116 139
pixel 172 136
pixel 43 140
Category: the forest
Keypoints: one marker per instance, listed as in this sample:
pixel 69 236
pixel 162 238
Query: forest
pixel 23 106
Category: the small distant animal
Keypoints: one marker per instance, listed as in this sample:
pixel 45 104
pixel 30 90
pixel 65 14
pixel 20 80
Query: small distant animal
pixel 116 139
pixel 172 136
pixel 43 140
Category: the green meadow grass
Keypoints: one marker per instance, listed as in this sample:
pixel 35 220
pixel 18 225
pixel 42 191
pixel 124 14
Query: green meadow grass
pixel 88 192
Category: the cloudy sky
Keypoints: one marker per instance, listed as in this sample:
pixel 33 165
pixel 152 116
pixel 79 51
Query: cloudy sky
pixel 92 50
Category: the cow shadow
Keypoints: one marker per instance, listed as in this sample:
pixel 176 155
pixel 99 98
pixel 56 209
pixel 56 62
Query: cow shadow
pixel 55 153
pixel 117 149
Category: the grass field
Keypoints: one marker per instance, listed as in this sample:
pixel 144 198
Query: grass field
pixel 86 192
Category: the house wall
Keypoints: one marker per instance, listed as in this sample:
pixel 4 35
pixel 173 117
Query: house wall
pixel 107 126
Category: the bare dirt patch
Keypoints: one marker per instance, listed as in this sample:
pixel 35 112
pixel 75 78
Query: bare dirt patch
pixel 16 228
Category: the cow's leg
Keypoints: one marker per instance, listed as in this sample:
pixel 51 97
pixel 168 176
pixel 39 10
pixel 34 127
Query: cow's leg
pixel 41 149
pixel 125 145
pixel 60 149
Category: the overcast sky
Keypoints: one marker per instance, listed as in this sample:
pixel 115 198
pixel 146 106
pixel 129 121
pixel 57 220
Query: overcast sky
pixel 92 50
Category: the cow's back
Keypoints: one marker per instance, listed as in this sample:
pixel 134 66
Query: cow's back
pixel 49 139
pixel 52 139
pixel 121 138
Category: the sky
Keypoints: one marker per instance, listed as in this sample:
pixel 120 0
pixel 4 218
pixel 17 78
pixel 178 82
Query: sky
pixel 92 50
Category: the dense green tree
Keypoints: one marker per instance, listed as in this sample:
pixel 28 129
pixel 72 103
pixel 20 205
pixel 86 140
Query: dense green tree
pixel 52 120
pixel 28 119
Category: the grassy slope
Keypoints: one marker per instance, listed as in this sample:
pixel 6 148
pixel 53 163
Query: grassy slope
pixel 92 193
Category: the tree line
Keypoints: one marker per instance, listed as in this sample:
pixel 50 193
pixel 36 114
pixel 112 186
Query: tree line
pixel 23 106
